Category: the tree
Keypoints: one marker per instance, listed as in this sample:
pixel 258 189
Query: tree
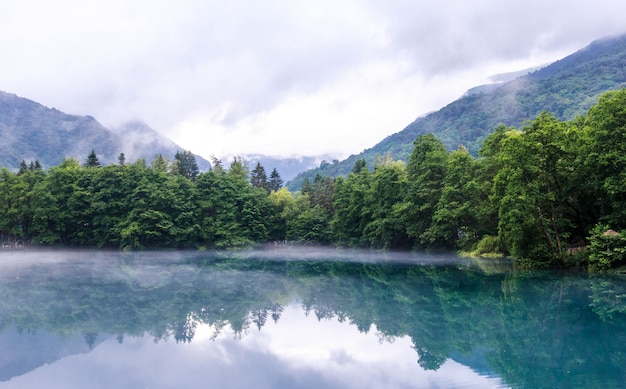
pixel 92 160
pixel 351 214
pixel 605 129
pixel 121 159
pixel 309 226
pixel 275 182
pixel 218 167
pixel 186 164
pixel 239 168
pixel 306 186
pixel 232 213
pixel 321 193
pixel 537 205
pixel 23 168
pixel 457 213
pixel 163 213
pixel 45 210
pixel 359 165
pixel 426 172
pixel 160 163
pixel 61 183
pixel 283 202
pixel 258 177
pixel 386 191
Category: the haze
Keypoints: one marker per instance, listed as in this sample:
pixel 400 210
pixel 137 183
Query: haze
pixel 280 78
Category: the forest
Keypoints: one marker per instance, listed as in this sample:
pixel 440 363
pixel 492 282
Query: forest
pixel 549 194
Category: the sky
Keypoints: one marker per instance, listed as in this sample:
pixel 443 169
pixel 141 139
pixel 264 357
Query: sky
pixel 280 77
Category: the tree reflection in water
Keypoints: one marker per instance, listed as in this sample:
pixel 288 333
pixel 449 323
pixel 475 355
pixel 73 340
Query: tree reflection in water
pixel 534 329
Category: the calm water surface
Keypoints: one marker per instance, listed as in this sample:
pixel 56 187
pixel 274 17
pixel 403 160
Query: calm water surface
pixel 294 318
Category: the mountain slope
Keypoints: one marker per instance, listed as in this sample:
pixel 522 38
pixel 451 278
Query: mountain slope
pixel 567 88
pixel 140 140
pixel 30 131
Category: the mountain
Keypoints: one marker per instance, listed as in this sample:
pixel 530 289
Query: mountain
pixel 140 140
pixel 567 88
pixel 31 131
pixel 287 167
pixel 24 351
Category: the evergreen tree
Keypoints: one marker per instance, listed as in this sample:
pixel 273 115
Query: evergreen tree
pixel 121 159
pixel 23 168
pixel 306 186
pixel 218 166
pixel 322 193
pixel 275 181
pixel 92 160
pixel 159 163
pixel 258 177
pixel 238 168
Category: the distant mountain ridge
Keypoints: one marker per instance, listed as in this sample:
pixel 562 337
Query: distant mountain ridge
pixel 287 167
pixel 31 131
pixel 567 88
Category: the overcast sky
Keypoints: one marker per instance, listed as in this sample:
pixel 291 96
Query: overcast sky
pixel 279 77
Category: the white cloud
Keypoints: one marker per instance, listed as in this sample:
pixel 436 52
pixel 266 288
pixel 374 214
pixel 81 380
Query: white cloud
pixel 297 351
pixel 279 77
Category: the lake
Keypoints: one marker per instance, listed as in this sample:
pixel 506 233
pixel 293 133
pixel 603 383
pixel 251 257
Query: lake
pixel 304 318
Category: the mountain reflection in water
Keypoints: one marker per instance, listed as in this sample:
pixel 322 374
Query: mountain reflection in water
pixel 303 319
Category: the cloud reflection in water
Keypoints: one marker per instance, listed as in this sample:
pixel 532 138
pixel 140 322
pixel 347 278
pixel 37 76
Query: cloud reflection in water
pixel 298 351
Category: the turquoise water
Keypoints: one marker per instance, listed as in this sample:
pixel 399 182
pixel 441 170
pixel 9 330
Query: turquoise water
pixel 295 318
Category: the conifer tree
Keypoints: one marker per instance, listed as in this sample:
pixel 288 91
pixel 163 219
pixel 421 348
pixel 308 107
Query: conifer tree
pixel 258 177
pixel 238 168
pixel 275 182
pixel 92 160
pixel 159 163
pixel 218 166
pixel 23 168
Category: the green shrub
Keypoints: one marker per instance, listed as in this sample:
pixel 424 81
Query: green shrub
pixel 489 244
pixel 607 248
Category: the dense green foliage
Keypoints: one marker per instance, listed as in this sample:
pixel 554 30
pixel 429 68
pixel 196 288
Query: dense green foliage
pixel 543 194
pixel 133 205
pixel 567 88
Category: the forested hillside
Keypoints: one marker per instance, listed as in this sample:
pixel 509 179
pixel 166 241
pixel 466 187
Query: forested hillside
pixel 567 88
pixel 551 194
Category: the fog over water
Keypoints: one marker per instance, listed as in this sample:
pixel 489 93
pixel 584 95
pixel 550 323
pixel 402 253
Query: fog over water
pixel 303 317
